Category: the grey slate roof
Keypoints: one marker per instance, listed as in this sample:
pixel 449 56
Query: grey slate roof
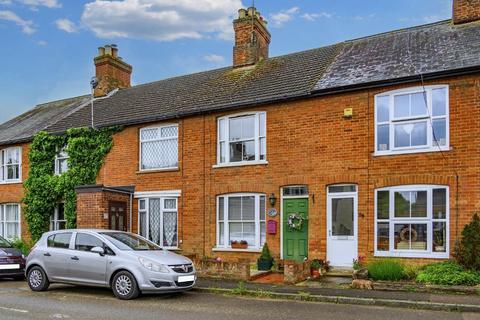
pixel 23 127
pixel 384 58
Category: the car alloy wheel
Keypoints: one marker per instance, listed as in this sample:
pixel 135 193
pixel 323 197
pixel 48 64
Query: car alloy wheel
pixel 123 285
pixel 35 278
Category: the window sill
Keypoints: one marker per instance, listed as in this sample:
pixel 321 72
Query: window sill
pixel 240 164
pixel 409 151
pixel 252 250
pixel 158 170
pixel 11 182
pixel 423 255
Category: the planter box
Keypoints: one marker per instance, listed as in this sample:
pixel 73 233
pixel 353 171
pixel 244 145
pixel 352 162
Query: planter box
pixel 239 246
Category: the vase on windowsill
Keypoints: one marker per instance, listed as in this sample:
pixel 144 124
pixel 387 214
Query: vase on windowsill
pixel 239 244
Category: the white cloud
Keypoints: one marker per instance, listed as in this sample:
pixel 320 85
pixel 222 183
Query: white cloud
pixel 362 18
pixel 66 25
pixel 282 17
pixel 162 20
pixel 41 43
pixel 40 3
pixel 5 2
pixel 315 16
pixel 26 25
pixel 215 58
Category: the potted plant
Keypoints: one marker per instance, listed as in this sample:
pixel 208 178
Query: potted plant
pixel 239 244
pixel 265 262
pixel 315 268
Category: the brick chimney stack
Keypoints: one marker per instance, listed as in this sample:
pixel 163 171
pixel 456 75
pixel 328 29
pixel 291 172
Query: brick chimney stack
pixel 251 38
pixel 111 71
pixel 466 11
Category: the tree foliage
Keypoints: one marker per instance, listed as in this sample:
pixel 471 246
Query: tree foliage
pixel 86 149
pixel 467 250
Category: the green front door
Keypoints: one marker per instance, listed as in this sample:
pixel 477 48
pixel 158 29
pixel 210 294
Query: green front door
pixel 295 242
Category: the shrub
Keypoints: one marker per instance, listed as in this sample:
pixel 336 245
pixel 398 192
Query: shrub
pixel 385 269
pixel 467 250
pixel 266 253
pixel 22 245
pixel 448 273
pixel 359 263
pixel 411 271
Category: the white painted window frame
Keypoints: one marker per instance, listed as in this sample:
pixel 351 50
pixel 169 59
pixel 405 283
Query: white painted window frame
pixel 226 140
pixel 4 222
pixel 55 221
pixel 429 220
pixel 142 141
pixel 431 145
pixel 4 166
pixel 146 211
pixel 61 155
pixel 226 231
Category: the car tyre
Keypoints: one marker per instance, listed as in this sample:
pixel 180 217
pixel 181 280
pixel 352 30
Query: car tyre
pixel 37 279
pixel 125 286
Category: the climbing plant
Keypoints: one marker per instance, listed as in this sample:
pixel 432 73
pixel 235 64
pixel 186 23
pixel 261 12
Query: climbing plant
pixel 86 149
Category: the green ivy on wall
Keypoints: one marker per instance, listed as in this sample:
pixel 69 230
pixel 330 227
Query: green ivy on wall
pixel 86 149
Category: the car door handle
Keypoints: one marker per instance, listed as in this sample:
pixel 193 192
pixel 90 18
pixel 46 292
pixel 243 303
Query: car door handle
pixel 47 254
pixel 75 258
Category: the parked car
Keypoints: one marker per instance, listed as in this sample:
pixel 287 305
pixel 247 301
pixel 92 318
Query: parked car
pixel 125 262
pixel 12 261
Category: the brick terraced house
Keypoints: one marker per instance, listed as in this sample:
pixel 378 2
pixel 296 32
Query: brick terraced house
pixel 368 147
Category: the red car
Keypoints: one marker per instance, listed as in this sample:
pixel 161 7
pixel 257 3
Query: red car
pixel 12 261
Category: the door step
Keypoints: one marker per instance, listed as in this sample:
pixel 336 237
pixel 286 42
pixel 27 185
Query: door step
pixel 340 272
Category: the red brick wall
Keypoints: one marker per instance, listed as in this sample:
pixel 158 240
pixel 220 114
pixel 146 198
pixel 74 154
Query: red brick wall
pixel 245 52
pixel 466 11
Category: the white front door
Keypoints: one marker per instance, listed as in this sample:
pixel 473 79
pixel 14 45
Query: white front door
pixel 342 231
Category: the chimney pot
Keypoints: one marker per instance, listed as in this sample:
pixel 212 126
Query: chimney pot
pixel 242 13
pixel 101 51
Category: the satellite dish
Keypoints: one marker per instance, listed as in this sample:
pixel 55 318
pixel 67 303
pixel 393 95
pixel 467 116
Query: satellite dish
pixel 94 82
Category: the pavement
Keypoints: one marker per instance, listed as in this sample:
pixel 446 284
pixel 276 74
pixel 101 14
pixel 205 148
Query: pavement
pixel 68 302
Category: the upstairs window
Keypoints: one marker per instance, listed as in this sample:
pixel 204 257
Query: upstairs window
pixel 10 165
pixel 61 162
pixel 242 139
pixel 413 120
pixel 159 148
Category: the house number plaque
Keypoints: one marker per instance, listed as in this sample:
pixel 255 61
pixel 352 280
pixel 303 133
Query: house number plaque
pixel 272 212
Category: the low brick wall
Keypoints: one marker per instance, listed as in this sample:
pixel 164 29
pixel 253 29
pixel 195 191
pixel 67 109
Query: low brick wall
pixel 211 268
pixel 295 272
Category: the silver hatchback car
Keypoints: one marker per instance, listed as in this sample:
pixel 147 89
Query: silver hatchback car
pixel 125 262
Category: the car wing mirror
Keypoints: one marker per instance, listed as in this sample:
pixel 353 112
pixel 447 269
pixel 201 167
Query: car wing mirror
pixel 98 250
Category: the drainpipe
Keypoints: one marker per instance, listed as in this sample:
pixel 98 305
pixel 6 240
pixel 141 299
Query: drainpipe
pixel 131 210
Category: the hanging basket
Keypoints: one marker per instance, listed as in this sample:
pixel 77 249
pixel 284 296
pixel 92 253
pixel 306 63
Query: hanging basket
pixel 295 221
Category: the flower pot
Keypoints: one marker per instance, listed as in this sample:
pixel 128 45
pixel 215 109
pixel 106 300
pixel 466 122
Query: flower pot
pixel 239 245
pixel 264 264
pixel 315 273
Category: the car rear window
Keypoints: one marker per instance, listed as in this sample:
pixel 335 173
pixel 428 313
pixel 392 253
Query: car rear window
pixel 59 240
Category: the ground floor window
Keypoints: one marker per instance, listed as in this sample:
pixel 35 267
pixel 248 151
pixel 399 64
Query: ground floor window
pixel 10 221
pixel 158 220
pixel 412 221
pixel 57 218
pixel 241 217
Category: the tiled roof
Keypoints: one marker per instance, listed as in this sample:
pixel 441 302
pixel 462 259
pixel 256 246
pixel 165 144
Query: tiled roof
pixel 384 58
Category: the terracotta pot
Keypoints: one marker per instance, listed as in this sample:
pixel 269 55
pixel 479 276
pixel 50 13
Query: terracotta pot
pixel 239 246
pixel 315 273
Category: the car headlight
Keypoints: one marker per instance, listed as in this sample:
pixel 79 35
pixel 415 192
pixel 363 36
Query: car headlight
pixel 152 266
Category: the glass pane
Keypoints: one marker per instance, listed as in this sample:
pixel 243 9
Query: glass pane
pixel 439 203
pixel 222 152
pixel 11 213
pixel 401 106
pixel 410 237
pixel 439 102
pixel 262 208
pixel 221 209
pixel 439 237
pixel 440 131
pixel 418 236
pixel 234 208
pixel 235 129
pixel 167 132
pixel 248 127
pixel 383 137
pixel 141 204
pixel 342 217
pixel 248 208
pixel 383 204
pixel 418 204
pixel 155 220
pixel 263 233
pixel 12 230
pixel 262 124
pixel 419 134
pixel 263 148
pixel 221 130
pixel 249 233
pixel 402 135
pixel 383 236
pixel 61 211
pixel 383 109
pixel 346 188
pixel 142 224
pixel 62 166
pixel 402 204
pixel 160 154
pixel 12 172
pixel 148 134
pixel 295 191
pixel 170 203
pixel 402 237
pixel 62 240
pixel 235 230
pixel 221 234
pixel 170 229
pixel 236 151
pixel 85 242
pixel 61 225
pixel 13 156
pixel 249 150
pixel 419 107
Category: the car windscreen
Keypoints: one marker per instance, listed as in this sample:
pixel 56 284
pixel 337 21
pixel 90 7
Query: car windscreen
pixel 4 243
pixel 126 241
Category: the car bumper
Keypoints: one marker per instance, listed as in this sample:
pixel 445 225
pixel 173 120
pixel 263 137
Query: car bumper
pixel 169 282
pixel 12 273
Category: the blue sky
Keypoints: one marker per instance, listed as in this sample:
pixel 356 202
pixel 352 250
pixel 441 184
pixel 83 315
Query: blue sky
pixel 48 45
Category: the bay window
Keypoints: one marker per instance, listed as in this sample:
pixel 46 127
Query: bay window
pixel 158 220
pixel 412 221
pixel 241 217
pixel 10 221
pixel 10 165
pixel 412 120
pixel 242 139
pixel 159 147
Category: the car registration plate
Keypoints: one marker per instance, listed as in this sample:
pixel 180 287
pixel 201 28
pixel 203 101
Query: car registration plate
pixel 186 278
pixel 9 266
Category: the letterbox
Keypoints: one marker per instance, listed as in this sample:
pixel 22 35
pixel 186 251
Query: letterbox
pixel 272 227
